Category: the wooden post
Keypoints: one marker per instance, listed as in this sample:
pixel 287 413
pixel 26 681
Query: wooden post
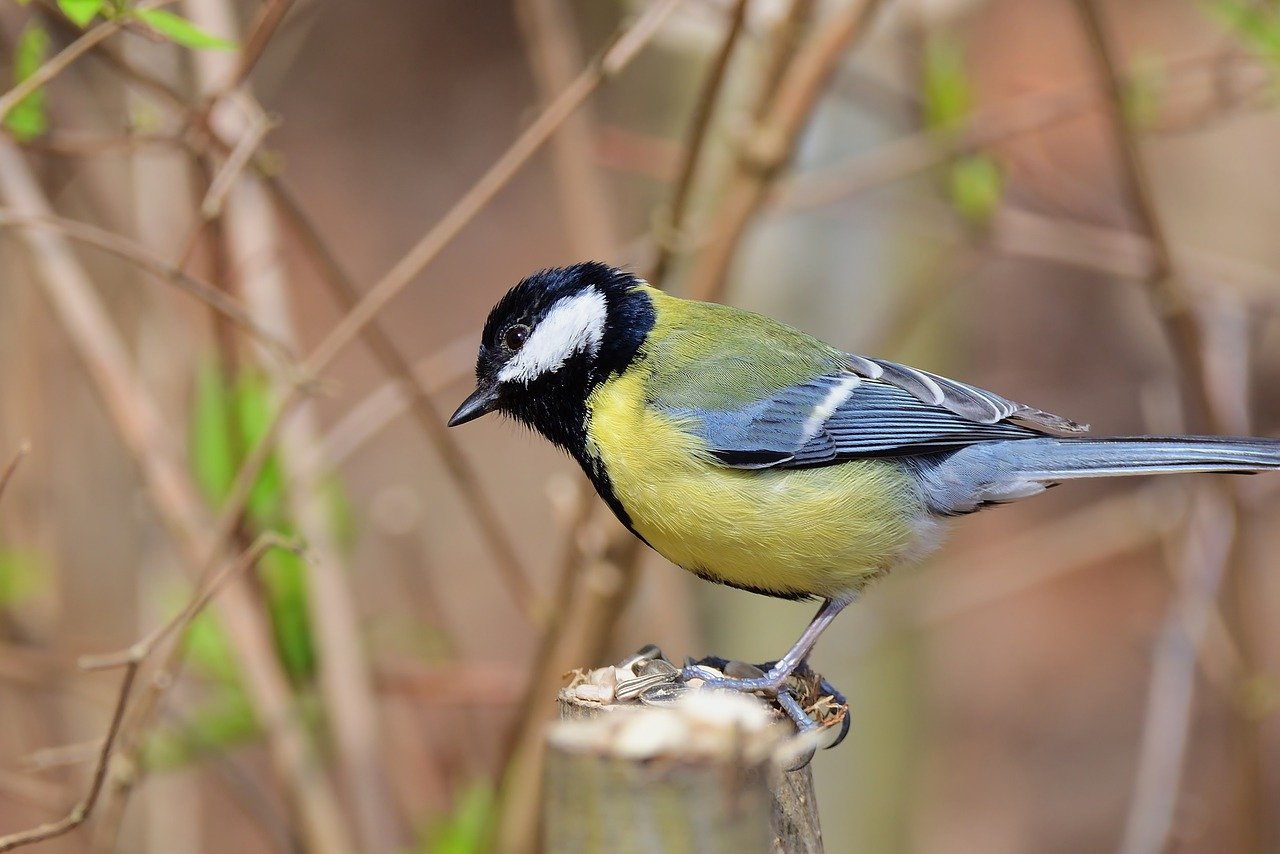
pixel 703 773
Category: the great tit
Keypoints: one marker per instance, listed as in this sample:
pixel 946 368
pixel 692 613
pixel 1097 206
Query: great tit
pixel 754 455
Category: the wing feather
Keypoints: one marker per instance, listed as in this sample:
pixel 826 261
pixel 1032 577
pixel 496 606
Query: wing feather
pixel 872 408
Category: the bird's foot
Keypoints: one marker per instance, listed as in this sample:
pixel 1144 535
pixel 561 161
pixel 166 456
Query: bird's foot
pixel 736 675
pixel 810 701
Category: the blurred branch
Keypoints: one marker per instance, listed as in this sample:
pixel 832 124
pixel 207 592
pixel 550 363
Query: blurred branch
pixel 430 420
pixel 82 810
pixel 140 650
pixel 621 50
pixel 362 422
pixel 669 224
pixel 131 660
pixel 139 255
pixel 251 236
pixel 264 26
pixel 141 425
pixel 914 153
pixel 7 475
pixel 86 145
pixel 771 142
pixel 59 63
pixel 1170 302
pixel 784 42
pixel 246 146
pixel 1206 557
pixel 1166 728
pixel 556 56
pixel 1127 255
pixel 362 310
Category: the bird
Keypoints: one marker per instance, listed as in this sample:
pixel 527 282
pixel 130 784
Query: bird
pixel 757 456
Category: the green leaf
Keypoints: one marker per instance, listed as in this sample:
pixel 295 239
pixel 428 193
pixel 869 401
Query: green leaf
pixel 180 30
pixel 1256 24
pixel 209 651
pixel 1142 91
pixel 81 12
pixel 947 96
pixel 469 829
pixel 28 119
pixel 227 420
pixel 976 186
pixel 225 720
pixel 213 457
pixel 254 413
pixel 22 574
pixel 284 575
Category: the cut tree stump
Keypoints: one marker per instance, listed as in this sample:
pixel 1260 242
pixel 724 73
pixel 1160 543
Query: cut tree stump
pixel 702 772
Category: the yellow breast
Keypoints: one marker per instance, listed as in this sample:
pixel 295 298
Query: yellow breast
pixel 817 531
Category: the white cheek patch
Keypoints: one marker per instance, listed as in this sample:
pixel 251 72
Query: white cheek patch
pixel 573 325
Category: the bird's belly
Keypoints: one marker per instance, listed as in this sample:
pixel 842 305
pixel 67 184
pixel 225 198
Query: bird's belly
pixel 793 532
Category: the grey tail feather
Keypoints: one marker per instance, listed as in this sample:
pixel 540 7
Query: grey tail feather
pixel 1068 458
pixel 997 472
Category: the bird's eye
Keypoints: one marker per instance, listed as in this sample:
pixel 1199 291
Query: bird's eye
pixel 515 336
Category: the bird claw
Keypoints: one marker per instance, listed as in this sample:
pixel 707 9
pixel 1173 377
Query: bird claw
pixel 781 687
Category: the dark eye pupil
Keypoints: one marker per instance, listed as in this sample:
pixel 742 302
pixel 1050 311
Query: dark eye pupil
pixel 516 336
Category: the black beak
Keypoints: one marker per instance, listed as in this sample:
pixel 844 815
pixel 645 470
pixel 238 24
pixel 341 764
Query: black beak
pixel 479 402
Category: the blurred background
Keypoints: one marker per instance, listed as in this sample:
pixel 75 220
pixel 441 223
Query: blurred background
pixel 1071 202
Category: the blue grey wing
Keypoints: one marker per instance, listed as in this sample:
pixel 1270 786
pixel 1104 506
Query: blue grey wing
pixel 872 409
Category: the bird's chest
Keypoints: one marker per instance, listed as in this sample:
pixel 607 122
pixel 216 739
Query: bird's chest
pixel 792 532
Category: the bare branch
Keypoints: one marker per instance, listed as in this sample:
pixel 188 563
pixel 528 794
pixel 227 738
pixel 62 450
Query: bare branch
pixel 260 32
pixel 23 450
pixel 611 61
pixel 142 427
pixel 246 146
pixel 131 659
pixel 556 57
pixel 59 63
pixel 136 253
pixel 667 230
pixel 82 810
pixel 771 143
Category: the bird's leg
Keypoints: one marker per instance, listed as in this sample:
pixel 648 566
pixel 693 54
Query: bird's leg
pixel 785 666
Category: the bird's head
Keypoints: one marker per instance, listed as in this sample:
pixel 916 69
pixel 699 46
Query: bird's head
pixel 551 340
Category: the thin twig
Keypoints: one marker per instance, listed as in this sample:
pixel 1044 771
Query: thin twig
pixel 246 146
pixel 58 63
pixel 771 143
pixel 1206 557
pixel 138 420
pixel 667 230
pixel 365 420
pixel 556 58
pixel 251 239
pixel 7 475
pixel 494 534
pixel 139 255
pixel 1127 255
pixel 131 659
pixel 611 61
pixel 85 145
pixel 140 650
pixel 260 32
pixel 1165 742
pixel 84 808
pixel 913 153
pixel 1179 321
